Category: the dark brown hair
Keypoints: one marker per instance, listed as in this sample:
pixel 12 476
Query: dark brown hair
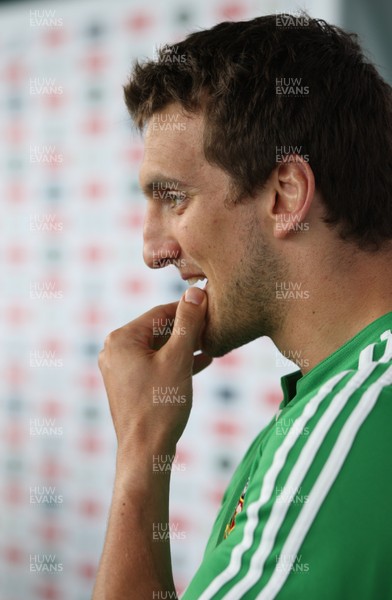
pixel 270 88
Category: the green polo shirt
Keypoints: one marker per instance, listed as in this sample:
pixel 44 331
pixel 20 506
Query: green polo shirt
pixel 308 512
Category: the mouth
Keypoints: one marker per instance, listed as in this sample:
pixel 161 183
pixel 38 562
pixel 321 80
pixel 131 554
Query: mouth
pixel 199 281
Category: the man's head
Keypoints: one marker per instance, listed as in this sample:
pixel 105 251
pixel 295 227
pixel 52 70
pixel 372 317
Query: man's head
pixel 272 140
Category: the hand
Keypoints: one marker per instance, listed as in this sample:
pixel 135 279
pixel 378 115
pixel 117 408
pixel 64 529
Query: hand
pixel 147 367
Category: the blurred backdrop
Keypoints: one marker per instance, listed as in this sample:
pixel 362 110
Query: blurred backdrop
pixel 72 271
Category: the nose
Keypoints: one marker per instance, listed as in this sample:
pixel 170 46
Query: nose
pixel 160 248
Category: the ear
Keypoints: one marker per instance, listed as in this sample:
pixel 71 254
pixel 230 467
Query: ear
pixel 294 191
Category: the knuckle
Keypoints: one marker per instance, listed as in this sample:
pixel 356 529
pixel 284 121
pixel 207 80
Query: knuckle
pixel 101 358
pixel 112 338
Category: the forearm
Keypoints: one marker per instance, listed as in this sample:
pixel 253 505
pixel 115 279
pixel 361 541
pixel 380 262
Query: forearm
pixel 136 562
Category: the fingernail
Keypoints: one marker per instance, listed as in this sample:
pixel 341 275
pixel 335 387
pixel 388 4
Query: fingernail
pixel 194 295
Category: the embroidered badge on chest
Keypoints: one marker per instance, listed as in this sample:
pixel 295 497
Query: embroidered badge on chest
pixel 230 526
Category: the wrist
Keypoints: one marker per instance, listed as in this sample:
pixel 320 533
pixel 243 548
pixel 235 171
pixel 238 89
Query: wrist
pixel 143 464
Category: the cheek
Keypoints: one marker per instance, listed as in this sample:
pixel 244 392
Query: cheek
pixel 205 237
pixel 195 240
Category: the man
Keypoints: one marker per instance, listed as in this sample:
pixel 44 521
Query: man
pixel 273 181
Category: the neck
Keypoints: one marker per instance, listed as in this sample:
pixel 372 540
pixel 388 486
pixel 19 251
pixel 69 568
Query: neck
pixel 341 300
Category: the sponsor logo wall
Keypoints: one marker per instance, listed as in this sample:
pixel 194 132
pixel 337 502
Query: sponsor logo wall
pixel 71 272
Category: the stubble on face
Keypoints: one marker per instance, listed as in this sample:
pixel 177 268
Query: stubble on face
pixel 247 308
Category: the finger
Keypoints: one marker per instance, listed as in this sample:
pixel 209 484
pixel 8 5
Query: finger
pixel 188 325
pixel 153 328
pixel 200 362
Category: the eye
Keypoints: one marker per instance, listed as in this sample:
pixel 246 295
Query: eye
pixel 175 198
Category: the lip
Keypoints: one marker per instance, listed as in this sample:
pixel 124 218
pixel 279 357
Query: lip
pixel 186 276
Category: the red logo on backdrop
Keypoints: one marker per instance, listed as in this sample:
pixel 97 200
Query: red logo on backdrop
pixel 226 428
pixel 96 62
pixel 94 125
pixel 15 73
pixel 54 36
pixel 139 21
pixel 232 12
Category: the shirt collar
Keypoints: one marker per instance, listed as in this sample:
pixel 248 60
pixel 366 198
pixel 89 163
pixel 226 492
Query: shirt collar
pixel 345 357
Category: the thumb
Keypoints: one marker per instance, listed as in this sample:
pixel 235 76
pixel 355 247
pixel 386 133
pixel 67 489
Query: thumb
pixel 188 324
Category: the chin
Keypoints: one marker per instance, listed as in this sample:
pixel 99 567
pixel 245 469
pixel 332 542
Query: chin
pixel 215 343
pixel 209 341
pixel 220 338
pixel 210 348
pixel 211 337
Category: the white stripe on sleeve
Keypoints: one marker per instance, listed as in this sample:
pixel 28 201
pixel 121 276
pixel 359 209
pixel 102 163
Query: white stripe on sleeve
pixel 324 483
pixel 268 486
pixel 296 477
